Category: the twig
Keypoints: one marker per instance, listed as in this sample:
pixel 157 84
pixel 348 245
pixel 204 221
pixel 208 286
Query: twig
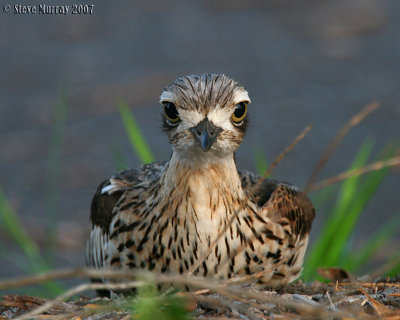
pixel 356 119
pixel 287 149
pixel 383 311
pixel 281 156
pixel 65 274
pixel 84 312
pixel 78 289
pixel 356 172
pixel 199 282
pixel 371 284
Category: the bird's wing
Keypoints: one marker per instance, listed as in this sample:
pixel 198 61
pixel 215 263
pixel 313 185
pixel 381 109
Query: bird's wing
pixel 289 207
pixel 111 192
pixel 285 202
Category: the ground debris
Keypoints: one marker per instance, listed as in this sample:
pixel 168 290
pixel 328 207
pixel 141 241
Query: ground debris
pixel 295 301
pixel 20 303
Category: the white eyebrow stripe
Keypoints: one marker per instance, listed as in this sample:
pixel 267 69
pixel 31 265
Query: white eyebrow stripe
pixel 240 96
pixel 167 96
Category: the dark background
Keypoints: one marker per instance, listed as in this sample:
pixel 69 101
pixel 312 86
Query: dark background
pixel 303 62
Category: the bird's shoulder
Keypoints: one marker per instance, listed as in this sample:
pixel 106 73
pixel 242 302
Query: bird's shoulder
pixel 111 191
pixel 283 202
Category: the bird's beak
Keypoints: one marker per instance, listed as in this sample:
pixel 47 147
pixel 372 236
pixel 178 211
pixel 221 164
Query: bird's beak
pixel 206 133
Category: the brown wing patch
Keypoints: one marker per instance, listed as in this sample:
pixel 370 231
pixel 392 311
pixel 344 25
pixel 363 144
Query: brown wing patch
pixel 286 202
pixel 295 206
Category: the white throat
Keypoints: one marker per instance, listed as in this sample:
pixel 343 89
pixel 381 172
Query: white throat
pixel 206 185
pixel 207 195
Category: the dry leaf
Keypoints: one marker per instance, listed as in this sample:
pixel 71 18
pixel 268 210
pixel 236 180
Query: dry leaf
pixel 190 300
pixel 90 306
pixel 336 274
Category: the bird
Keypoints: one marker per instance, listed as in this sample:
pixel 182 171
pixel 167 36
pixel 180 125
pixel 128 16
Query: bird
pixel 197 209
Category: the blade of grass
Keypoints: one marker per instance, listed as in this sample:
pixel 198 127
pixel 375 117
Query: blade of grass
pixel 365 192
pixel 324 197
pixel 358 259
pixel 261 162
pixel 321 249
pixel 52 174
pixel 119 159
pixel 395 271
pixel 363 196
pixel 19 261
pixel 149 304
pixel 136 138
pixel 12 226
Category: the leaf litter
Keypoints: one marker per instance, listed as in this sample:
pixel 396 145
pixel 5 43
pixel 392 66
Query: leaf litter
pixel 345 297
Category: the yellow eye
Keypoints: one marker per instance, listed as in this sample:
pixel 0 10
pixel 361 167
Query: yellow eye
pixel 171 113
pixel 240 112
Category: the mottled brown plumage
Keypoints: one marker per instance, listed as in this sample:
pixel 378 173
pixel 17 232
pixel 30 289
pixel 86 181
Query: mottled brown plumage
pixel 165 216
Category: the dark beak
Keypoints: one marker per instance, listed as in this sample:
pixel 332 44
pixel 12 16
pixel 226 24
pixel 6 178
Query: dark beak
pixel 206 133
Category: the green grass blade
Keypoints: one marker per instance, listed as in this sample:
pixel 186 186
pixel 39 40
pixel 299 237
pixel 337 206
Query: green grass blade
pixel 395 271
pixel 12 226
pixel 321 254
pixel 52 173
pixel 136 138
pixel 30 266
pixel 363 196
pixel 324 198
pixel 146 305
pixel 366 190
pixel 119 159
pixel 151 305
pixel 358 259
pixel 261 162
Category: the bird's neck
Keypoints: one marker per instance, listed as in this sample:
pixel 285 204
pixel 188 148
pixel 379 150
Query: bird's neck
pixel 201 198
pixel 204 183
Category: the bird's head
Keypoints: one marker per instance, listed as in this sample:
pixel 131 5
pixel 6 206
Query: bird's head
pixel 204 116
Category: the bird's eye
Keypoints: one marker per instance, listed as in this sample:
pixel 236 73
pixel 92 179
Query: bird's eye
pixel 240 112
pixel 170 112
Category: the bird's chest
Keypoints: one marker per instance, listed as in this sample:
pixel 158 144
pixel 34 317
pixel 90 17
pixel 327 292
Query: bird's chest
pixel 197 215
pixel 207 204
pixel 175 229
